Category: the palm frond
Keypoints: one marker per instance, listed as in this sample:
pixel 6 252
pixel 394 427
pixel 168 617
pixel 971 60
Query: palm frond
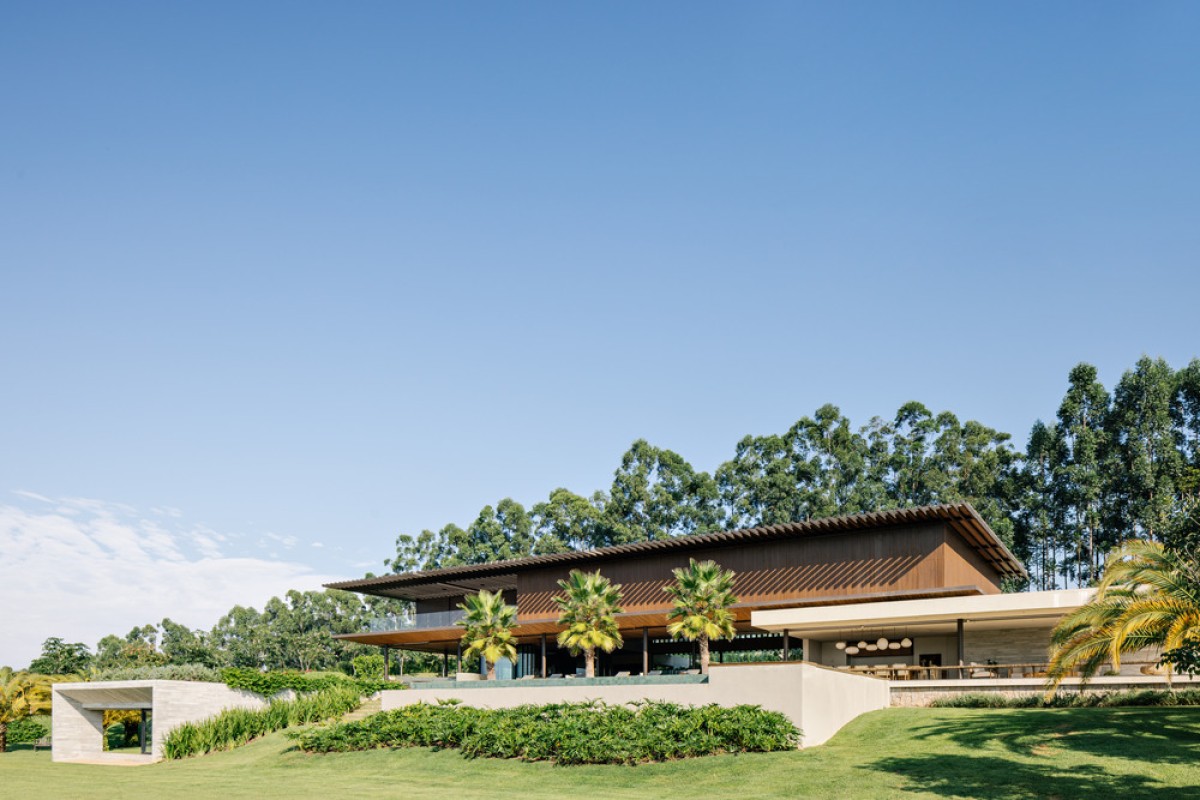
pixel 1148 596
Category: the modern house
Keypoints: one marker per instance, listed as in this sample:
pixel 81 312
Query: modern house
pixel 910 594
pixel 836 617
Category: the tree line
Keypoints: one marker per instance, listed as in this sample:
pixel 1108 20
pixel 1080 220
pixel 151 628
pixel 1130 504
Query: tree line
pixel 1110 466
pixel 291 632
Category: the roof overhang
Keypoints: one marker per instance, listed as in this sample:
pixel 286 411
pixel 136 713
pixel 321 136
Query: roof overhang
pixel 1022 609
pixel 962 518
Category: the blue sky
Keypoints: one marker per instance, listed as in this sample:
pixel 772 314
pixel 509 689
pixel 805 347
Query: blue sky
pixel 275 276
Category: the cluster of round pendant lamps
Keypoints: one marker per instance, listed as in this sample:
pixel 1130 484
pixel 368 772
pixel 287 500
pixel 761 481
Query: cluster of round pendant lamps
pixel 882 643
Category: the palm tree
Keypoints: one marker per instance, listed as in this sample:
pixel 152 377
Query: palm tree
pixel 22 694
pixel 489 622
pixel 1149 597
pixel 588 607
pixel 701 598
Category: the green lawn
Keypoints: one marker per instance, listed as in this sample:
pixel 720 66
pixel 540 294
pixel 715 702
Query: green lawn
pixel 1109 754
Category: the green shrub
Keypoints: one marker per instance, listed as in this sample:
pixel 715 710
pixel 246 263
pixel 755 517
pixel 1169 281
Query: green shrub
pixel 567 733
pixel 368 666
pixel 1137 697
pixel 168 672
pixel 236 726
pixel 272 683
pixel 28 729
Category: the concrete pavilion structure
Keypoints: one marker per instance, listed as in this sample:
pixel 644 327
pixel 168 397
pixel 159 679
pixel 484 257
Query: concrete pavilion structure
pixel 77 714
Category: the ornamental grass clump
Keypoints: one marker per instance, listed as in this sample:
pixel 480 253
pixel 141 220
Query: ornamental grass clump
pixel 565 733
pixel 237 726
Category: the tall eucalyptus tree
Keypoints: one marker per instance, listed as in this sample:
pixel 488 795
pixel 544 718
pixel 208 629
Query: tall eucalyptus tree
pixel 1146 462
pixel 657 494
pixel 1079 476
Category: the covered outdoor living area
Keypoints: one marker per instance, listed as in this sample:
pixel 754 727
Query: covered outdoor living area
pixel 972 637
pixel 647 649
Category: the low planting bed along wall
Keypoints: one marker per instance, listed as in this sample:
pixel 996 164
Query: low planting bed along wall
pixel 237 726
pixel 1134 698
pixel 565 733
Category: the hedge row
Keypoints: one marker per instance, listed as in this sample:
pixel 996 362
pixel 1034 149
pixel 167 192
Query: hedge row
pixel 237 726
pixel 271 683
pixel 166 672
pixel 567 733
pixel 1143 697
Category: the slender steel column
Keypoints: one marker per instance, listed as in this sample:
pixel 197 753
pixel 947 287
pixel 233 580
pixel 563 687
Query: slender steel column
pixel 961 653
pixel 142 733
pixel 787 653
pixel 543 655
pixel 645 650
pixel 387 663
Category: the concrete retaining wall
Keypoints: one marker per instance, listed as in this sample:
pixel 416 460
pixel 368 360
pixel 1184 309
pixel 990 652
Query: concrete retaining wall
pixel 818 700
pixel 831 698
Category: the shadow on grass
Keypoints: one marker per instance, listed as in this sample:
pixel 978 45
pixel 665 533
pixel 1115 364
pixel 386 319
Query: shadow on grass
pixel 1147 735
pixel 1124 742
pixel 998 778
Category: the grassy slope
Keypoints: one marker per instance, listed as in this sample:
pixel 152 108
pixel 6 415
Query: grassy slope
pixel 1110 754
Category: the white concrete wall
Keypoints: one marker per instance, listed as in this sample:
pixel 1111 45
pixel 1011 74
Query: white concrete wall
pixel 77 733
pixel 790 688
pixel 831 698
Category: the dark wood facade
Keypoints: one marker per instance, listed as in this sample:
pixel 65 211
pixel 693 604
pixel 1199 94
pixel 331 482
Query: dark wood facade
pixel 916 558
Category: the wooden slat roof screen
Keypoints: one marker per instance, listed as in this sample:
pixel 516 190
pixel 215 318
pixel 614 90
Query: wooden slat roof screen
pixel 962 517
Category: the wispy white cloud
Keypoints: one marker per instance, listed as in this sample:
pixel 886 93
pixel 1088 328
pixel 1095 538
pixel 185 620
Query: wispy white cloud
pixel 95 568
pixel 286 541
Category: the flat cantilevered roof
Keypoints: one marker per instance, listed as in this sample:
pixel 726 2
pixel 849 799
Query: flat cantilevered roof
pixel 930 615
pixel 496 575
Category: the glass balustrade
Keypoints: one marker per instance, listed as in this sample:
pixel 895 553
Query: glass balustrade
pixel 405 622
